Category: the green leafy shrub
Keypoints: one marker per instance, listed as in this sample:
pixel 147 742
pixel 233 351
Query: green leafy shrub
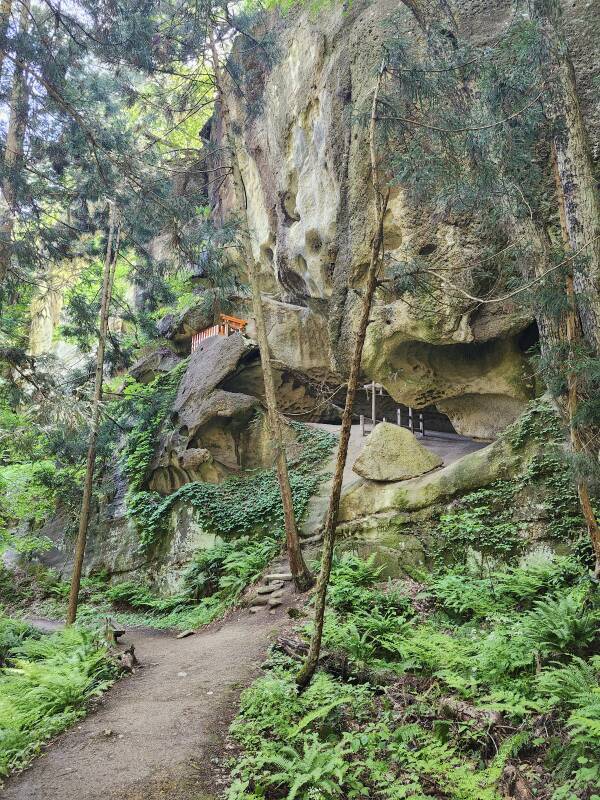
pixel 466 596
pixel 351 587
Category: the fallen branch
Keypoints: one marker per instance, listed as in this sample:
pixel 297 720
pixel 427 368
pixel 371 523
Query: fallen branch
pixel 513 785
pixel 336 663
pixel 483 719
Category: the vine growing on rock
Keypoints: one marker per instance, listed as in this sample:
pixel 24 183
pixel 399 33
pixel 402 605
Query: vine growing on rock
pixel 241 505
pixel 149 405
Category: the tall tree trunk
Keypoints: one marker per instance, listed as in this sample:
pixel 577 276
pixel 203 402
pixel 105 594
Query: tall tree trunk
pixel 573 336
pixel 306 673
pixel 13 152
pixel 5 12
pixel 300 572
pixel 581 203
pixel 110 262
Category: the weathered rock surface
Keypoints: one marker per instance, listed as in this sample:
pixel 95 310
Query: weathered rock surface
pixel 392 453
pixel 214 430
pixel 181 327
pixel 369 499
pixel 156 363
pixel 207 423
pixel 305 164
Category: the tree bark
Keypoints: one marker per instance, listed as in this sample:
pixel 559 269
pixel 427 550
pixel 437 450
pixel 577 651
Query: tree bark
pixel 5 12
pixel 306 673
pixel 573 336
pixel 581 203
pixel 303 579
pixel 110 262
pixel 13 151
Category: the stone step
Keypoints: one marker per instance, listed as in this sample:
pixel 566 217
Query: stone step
pixel 274 602
pixel 266 589
pixel 279 576
pixel 258 600
pixel 255 609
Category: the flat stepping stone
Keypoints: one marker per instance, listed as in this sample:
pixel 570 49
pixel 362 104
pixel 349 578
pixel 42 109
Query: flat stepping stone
pixel 185 634
pixel 276 585
pixel 277 595
pixel 266 589
pixel 274 602
pixel 255 609
pixel 258 600
pixel 281 576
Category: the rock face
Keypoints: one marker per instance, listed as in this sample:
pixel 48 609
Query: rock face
pixel 215 430
pixel 392 453
pixel 305 163
pixel 208 423
pixel 156 363
pixel 392 520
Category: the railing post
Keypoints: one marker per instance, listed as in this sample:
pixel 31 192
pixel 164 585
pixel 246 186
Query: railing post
pixel 411 424
pixel 373 410
pixel 362 424
pixel 421 424
pixel 398 417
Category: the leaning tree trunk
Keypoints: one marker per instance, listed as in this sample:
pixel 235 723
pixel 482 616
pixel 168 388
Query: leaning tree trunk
pixel 306 673
pixel 581 203
pixel 110 262
pixel 300 572
pixel 13 151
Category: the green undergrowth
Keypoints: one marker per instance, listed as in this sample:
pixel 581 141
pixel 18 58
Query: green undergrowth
pixel 212 583
pixel 446 685
pixel 245 511
pixel 46 683
pixel 241 505
pixel 498 521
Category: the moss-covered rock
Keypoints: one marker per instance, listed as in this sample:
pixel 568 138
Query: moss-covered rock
pixel 392 453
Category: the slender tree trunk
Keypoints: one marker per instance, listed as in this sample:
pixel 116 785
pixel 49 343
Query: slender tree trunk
pixel 13 152
pixel 573 336
pixel 306 673
pixel 110 262
pixel 581 202
pixel 300 572
pixel 5 12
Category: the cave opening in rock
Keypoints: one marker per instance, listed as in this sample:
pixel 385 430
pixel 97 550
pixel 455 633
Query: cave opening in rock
pixel 529 339
pixel 386 407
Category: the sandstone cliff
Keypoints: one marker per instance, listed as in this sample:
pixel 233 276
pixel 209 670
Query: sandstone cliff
pixel 304 159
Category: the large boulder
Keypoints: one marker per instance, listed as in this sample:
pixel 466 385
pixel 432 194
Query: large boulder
pixel 209 425
pixel 217 427
pixel 392 453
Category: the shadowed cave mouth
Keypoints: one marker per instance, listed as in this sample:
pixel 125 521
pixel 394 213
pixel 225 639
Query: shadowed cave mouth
pixel 385 406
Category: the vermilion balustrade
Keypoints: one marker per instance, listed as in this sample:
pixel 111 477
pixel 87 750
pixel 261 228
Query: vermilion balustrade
pixel 224 327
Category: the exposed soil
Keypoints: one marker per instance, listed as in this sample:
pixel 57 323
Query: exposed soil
pixel 160 732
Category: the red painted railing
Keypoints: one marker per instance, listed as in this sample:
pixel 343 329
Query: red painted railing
pixel 224 327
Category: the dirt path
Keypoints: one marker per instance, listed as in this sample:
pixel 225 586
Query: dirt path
pixel 167 722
